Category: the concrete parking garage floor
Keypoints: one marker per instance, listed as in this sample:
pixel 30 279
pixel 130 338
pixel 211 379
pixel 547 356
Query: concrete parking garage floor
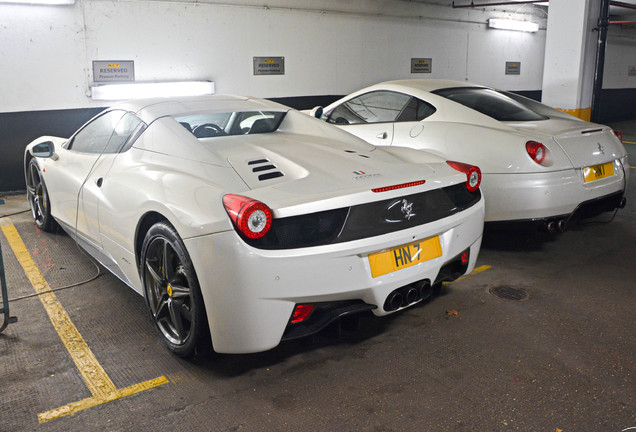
pixel 561 359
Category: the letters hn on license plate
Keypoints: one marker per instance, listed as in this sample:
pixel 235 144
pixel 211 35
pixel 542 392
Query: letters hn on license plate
pixel 598 172
pixel 404 256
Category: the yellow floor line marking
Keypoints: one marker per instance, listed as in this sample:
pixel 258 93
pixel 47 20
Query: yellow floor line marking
pixel 628 142
pixel 94 401
pixel 474 272
pixel 95 377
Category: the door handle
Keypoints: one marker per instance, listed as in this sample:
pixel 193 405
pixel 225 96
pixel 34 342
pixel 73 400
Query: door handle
pixel 99 182
pixel 382 135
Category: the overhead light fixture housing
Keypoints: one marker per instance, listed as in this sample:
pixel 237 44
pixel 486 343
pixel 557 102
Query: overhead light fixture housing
pixel 508 24
pixel 41 2
pixel 118 92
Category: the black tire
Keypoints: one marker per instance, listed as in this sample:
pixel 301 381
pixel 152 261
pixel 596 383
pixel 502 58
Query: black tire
pixel 38 198
pixel 172 292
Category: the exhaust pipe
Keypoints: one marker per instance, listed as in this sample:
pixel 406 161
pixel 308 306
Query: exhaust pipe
pixel 556 226
pixel 393 301
pixel 411 295
pixel 426 291
pixel 562 224
pixel 407 295
pixel 551 227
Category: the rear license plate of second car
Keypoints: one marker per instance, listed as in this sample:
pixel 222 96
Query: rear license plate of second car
pixel 404 256
pixel 598 172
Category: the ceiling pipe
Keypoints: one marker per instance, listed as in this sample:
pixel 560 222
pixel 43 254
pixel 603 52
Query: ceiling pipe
pixel 622 4
pixel 503 3
pixel 506 3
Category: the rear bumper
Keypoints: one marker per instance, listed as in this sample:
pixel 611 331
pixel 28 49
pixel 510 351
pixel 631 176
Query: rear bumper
pixel 585 210
pixel 550 195
pixel 250 293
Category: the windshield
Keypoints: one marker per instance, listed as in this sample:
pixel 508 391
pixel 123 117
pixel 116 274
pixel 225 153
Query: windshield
pixel 491 103
pixel 208 125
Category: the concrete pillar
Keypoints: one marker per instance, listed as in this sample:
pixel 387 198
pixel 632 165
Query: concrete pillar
pixel 570 56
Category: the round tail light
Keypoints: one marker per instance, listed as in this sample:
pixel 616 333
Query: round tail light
pixel 473 174
pixel 536 150
pixel 619 135
pixel 251 218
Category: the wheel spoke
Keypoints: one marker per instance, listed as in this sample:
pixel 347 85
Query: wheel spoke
pixel 156 277
pixel 177 320
pixel 162 311
pixel 180 291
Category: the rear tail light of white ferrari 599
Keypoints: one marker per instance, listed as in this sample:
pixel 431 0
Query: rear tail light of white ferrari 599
pixel 473 174
pixel 251 217
pixel 536 151
pixel 619 135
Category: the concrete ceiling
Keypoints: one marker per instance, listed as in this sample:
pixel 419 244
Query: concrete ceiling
pixel 524 6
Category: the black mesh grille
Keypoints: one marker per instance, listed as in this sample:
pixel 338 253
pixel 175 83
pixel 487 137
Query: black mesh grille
pixel 366 220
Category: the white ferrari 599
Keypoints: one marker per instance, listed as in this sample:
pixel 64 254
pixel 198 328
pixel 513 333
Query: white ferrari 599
pixel 539 164
pixel 246 221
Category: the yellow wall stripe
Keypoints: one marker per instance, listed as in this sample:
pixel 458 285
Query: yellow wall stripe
pixel 95 377
pixel 582 113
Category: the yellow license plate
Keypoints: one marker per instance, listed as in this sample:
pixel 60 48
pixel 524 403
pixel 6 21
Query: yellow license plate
pixel 404 256
pixel 598 172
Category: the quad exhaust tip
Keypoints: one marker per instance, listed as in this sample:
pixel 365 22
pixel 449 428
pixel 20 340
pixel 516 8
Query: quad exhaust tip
pixel 408 295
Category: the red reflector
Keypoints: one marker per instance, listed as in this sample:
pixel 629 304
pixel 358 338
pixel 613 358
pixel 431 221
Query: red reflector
pixel 465 257
pixel 301 312
pixel 399 186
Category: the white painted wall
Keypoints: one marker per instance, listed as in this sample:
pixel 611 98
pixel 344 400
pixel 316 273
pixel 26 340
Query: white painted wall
pixel 330 46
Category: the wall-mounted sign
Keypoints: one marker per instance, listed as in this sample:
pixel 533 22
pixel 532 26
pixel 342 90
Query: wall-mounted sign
pixel 269 65
pixel 421 65
pixel 113 71
pixel 513 68
pixel 631 70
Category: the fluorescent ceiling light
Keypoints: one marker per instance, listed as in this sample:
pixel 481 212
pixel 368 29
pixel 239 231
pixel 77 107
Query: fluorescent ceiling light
pixel 508 24
pixel 145 90
pixel 41 2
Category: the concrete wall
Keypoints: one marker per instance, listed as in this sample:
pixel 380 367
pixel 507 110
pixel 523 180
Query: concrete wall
pixel 331 47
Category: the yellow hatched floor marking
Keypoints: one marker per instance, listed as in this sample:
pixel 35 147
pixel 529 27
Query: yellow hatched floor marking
pixel 95 377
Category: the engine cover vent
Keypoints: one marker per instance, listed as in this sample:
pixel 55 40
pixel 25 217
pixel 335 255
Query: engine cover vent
pixel 266 169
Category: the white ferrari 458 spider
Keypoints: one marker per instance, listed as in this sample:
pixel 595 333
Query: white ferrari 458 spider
pixel 246 221
pixel 539 164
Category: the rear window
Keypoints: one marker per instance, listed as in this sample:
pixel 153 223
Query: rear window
pixel 209 125
pixel 491 103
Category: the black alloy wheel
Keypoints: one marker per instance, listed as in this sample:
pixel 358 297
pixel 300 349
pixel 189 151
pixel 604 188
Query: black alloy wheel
pixel 172 291
pixel 39 198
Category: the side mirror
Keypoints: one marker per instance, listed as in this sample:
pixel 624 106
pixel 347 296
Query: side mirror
pixel 316 112
pixel 44 150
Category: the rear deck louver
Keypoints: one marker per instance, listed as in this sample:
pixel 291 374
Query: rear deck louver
pixel 267 169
